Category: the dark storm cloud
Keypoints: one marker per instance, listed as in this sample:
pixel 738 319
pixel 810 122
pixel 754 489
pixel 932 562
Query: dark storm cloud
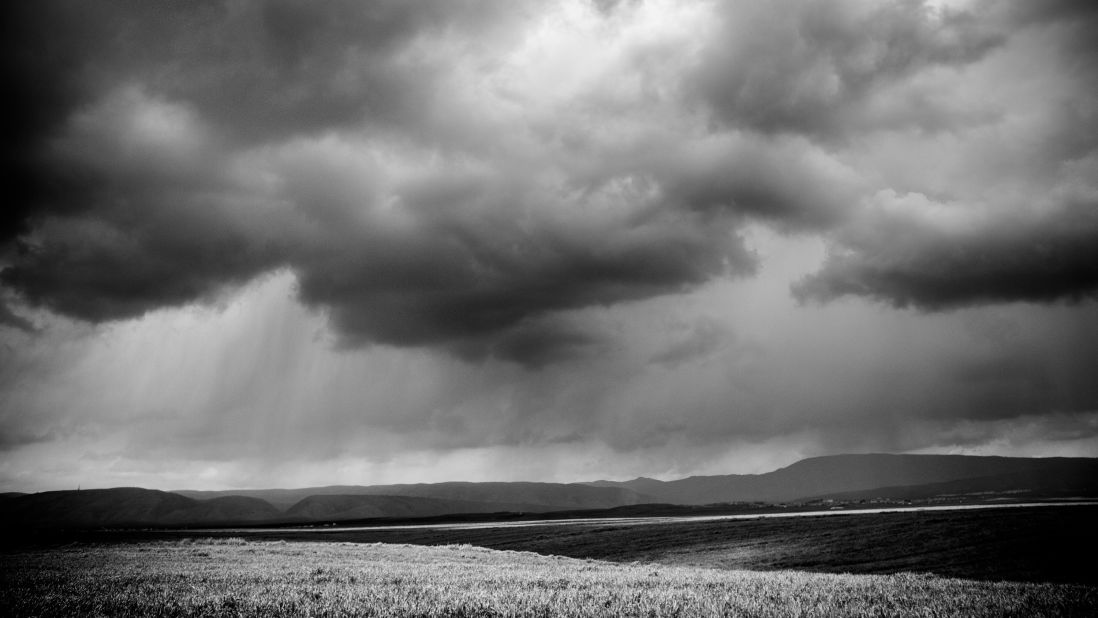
pixel 128 114
pixel 155 220
pixel 253 70
pixel 43 87
pixel 786 182
pixel 439 174
pixel 810 67
pixel 1035 243
pixel 469 274
pixel 96 272
pixel 264 70
pixel 1054 10
pixel 533 343
pixel 156 167
pixel 906 262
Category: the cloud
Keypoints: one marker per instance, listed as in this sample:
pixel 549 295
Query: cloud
pixel 440 174
pixel 730 377
pixel 160 222
pixel 788 182
pixel 275 243
pixel 448 254
pixel 467 175
pixel 911 252
pixel 999 211
pixel 700 340
pixel 815 68
pixel 10 318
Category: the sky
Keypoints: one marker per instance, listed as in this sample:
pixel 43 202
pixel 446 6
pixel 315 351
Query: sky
pixel 283 243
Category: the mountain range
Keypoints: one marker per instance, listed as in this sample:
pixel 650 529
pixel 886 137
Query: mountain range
pixel 516 496
pixel 868 477
pixel 899 476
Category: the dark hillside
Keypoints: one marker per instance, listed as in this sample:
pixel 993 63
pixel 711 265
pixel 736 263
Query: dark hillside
pixel 837 474
pixel 527 496
pixel 128 506
pixel 342 508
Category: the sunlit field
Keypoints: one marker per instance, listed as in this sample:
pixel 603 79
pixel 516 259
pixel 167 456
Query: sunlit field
pixel 233 577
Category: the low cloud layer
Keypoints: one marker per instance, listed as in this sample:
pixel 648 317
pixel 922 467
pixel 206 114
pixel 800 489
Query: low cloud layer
pixel 910 252
pixel 514 189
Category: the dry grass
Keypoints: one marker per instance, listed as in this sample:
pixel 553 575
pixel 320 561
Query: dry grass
pixel 232 577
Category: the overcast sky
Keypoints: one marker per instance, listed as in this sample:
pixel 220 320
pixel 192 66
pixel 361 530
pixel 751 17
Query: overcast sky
pixel 256 244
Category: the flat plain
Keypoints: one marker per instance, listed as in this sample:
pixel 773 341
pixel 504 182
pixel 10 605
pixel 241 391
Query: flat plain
pixel 1035 544
pixel 235 577
pixel 1027 561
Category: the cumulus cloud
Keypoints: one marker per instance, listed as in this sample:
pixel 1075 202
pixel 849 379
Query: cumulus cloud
pixel 159 221
pixel 1001 211
pixel 816 67
pixel 455 174
pixel 413 165
pixel 909 251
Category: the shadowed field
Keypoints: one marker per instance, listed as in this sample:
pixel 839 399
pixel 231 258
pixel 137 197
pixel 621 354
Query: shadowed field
pixel 232 577
pixel 1038 544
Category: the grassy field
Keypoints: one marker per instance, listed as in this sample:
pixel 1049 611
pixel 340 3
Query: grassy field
pixel 233 577
pixel 1042 544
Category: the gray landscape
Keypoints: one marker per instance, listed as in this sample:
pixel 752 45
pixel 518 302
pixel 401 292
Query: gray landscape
pixel 456 308
pixel 856 481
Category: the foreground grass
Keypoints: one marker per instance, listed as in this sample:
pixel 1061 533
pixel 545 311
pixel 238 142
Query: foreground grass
pixel 237 578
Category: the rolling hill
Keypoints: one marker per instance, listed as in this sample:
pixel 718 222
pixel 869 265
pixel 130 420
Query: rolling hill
pixel 130 506
pixel 839 477
pixel 364 506
pixel 1055 481
pixel 533 497
pixel 843 474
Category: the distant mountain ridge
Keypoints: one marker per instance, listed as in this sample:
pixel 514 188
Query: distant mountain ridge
pixel 1064 481
pixel 836 477
pixel 130 506
pixel 534 497
pixel 337 507
pixel 837 474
